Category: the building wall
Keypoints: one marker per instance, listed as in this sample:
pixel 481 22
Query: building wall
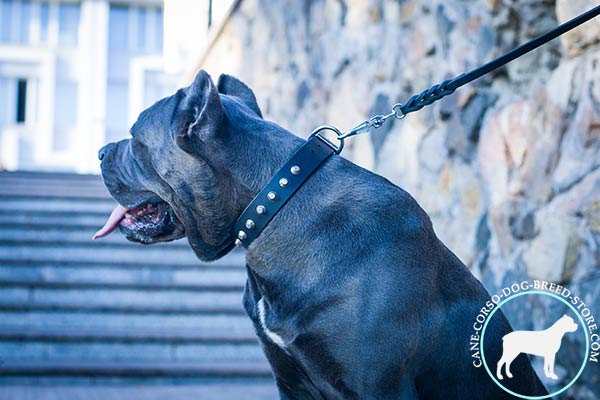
pixel 89 67
pixel 507 167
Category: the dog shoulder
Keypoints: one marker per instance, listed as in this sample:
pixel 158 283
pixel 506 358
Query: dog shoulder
pixel 370 196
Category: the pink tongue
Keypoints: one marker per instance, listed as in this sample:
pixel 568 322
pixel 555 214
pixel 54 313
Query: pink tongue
pixel 113 221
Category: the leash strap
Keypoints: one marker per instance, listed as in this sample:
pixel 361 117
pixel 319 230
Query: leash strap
pixel 448 87
pixel 266 204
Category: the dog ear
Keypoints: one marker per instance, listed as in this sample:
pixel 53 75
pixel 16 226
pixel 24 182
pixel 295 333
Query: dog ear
pixel 199 115
pixel 232 86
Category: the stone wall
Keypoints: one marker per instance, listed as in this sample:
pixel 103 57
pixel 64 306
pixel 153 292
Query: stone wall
pixel 507 167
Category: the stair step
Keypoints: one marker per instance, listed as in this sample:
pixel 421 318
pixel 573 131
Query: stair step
pixel 63 235
pixel 117 299
pixel 134 276
pixel 48 176
pixel 43 189
pixel 16 178
pixel 34 181
pixel 213 324
pixel 37 185
pixel 154 352
pixel 119 368
pixel 253 389
pixel 44 219
pixel 53 205
pixel 226 310
pixel 159 254
pixel 68 334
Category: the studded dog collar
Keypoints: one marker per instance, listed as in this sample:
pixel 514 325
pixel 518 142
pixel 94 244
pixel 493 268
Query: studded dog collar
pixel 297 169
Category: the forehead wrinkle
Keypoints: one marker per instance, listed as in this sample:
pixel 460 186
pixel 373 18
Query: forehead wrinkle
pixel 152 119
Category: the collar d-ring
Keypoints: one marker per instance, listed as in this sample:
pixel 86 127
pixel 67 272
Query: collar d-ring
pixel 339 136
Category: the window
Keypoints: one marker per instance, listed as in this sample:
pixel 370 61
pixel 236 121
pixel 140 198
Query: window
pixel 24 22
pixel 217 11
pixel 134 37
pixel 65 115
pixel 21 100
pixel 68 24
pixel 44 21
pixel 8 106
pixel 15 21
pixel 18 19
pixel 6 21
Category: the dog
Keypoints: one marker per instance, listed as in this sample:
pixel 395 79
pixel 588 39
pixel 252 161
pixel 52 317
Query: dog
pixel 544 343
pixel 351 293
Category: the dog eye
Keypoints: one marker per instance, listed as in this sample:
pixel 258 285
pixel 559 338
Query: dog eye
pixel 136 137
pixel 137 142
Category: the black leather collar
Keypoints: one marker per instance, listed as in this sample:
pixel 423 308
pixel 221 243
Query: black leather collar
pixel 267 203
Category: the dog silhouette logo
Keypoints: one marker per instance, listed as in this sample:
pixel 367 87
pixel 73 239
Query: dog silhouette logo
pixel 545 343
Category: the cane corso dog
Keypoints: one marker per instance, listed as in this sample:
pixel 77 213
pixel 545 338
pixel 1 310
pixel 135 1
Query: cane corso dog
pixel 351 293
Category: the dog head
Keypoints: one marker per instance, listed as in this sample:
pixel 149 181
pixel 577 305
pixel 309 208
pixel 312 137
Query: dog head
pixel 194 160
pixel 568 324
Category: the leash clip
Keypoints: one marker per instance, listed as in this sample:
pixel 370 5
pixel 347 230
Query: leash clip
pixel 374 122
pixel 364 127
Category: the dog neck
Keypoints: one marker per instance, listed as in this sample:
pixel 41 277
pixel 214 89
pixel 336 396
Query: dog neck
pixel 251 166
pixel 278 241
pixel 281 187
pixel 558 326
pixel 295 235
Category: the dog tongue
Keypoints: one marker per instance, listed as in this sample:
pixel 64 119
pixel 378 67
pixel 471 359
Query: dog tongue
pixel 113 221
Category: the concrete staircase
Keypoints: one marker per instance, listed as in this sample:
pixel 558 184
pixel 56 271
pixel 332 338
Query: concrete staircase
pixel 112 313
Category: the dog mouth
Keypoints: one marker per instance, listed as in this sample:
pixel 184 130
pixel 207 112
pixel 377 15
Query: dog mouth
pixel 147 223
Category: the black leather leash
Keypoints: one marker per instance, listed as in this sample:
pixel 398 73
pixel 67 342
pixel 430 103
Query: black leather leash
pixel 317 148
pixel 448 87
pixel 297 169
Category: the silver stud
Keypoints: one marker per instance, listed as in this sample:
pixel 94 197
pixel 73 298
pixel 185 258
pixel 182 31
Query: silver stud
pixel 271 196
pixel 250 224
pixel 238 242
pixel 242 235
pixel 295 170
pixel 261 210
pixel 283 182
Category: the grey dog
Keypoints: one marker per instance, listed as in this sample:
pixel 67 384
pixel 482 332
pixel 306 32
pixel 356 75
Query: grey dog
pixel 351 293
